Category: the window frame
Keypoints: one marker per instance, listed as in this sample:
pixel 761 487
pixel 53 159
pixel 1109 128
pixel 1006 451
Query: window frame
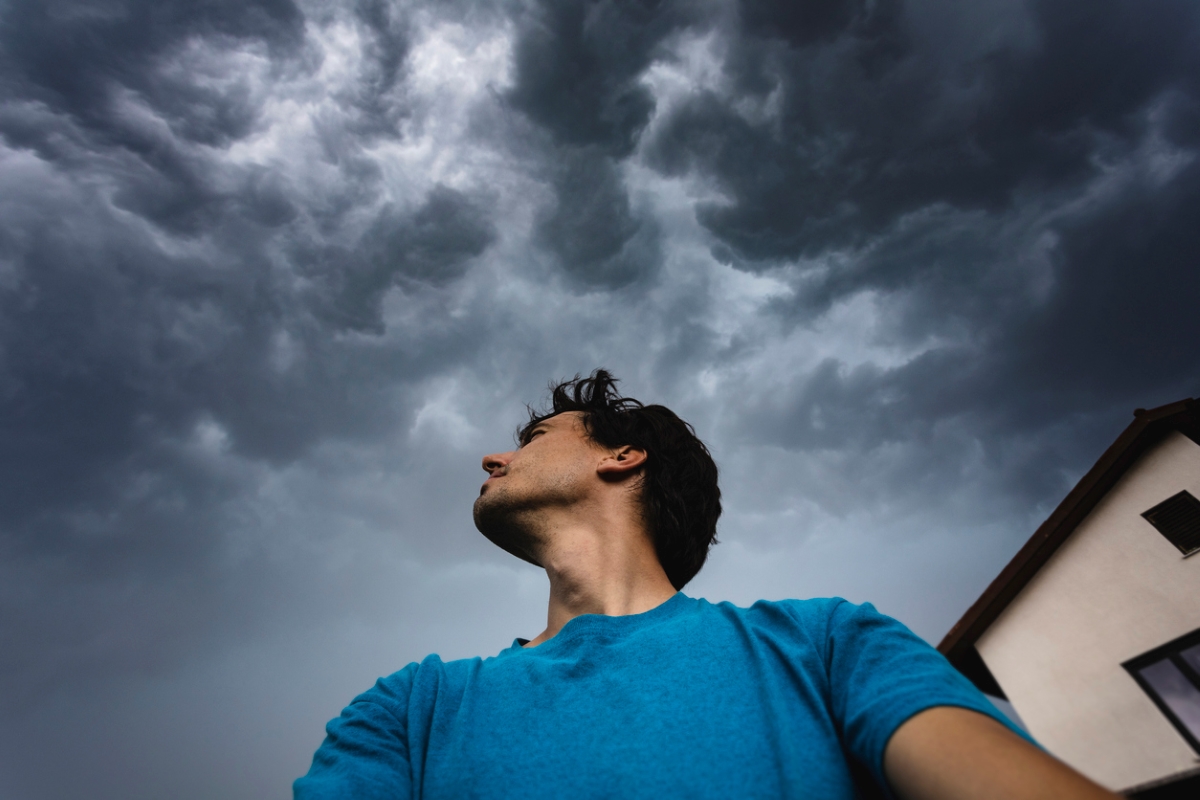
pixel 1169 651
pixel 1151 514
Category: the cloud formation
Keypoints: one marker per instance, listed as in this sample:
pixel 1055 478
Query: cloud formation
pixel 274 275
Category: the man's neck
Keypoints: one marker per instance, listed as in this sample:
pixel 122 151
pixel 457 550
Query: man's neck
pixel 594 571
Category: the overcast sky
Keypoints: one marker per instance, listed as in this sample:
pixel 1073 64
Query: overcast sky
pixel 275 274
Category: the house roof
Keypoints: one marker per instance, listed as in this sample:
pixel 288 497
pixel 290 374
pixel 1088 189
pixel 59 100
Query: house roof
pixel 1147 429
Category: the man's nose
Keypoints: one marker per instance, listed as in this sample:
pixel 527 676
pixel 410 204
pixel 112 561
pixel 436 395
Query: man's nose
pixel 495 461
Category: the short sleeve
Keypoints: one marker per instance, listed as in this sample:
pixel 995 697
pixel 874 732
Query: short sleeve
pixel 365 752
pixel 881 674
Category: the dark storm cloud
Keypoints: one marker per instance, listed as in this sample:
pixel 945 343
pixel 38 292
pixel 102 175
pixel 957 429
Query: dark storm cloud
pixel 1120 320
pixel 590 227
pixel 172 319
pixel 1018 197
pixel 578 78
pixel 110 342
pixel 109 333
pixel 1041 379
pixel 268 270
pixel 433 245
pixel 578 67
pixel 873 123
pixel 73 56
pixel 75 72
pixel 861 145
pixel 801 24
pixel 386 50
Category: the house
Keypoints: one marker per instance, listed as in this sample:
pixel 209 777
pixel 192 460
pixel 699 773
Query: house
pixel 1092 631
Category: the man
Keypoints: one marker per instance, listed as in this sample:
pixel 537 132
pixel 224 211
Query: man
pixel 636 690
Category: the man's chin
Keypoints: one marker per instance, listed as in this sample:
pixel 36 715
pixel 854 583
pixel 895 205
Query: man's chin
pixel 498 523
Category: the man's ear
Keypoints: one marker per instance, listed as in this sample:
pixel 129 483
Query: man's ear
pixel 621 461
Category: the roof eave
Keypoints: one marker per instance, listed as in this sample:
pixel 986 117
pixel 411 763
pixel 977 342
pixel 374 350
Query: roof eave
pixel 1148 427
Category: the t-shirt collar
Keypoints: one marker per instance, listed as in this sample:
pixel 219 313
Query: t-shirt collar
pixel 614 626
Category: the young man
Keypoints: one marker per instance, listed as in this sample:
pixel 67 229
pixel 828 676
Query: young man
pixel 636 690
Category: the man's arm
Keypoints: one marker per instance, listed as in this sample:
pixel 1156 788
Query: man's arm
pixel 949 753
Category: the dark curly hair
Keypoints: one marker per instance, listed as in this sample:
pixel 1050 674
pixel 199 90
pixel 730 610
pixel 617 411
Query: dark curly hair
pixel 680 498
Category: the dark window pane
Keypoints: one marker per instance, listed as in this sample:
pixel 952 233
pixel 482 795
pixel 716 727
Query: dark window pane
pixel 1178 519
pixel 1176 691
pixel 1192 656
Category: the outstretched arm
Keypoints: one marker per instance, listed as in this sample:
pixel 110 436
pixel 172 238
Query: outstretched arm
pixel 949 753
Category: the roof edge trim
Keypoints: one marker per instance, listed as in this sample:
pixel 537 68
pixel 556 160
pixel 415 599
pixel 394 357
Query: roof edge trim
pixel 1148 428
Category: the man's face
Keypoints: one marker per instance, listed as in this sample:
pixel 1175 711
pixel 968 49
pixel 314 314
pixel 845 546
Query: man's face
pixel 551 470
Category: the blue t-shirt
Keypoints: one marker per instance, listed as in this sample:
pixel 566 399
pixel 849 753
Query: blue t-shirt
pixel 690 699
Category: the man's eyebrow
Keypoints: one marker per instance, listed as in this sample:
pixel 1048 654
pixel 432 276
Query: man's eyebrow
pixel 528 433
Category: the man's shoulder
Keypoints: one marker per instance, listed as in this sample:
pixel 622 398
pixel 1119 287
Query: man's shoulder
pixel 806 611
pixel 816 618
pixel 812 619
pixel 429 674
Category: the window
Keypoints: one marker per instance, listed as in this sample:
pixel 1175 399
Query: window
pixel 1178 519
pixel 1171 676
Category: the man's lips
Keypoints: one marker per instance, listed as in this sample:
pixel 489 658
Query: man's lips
pixel 490 478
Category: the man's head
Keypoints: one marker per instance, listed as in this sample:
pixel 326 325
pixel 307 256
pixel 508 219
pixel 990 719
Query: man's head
pixel 592 431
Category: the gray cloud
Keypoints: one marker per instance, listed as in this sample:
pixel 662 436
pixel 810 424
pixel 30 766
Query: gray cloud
pixel 594 235
pixel 578 67
pixel 432 244
pixel 859 133
pixel 1013 197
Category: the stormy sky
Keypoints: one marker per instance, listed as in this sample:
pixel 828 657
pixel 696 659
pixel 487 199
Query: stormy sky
pixel 275 274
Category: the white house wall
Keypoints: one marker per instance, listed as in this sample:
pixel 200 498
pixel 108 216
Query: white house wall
pixel 1114 590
